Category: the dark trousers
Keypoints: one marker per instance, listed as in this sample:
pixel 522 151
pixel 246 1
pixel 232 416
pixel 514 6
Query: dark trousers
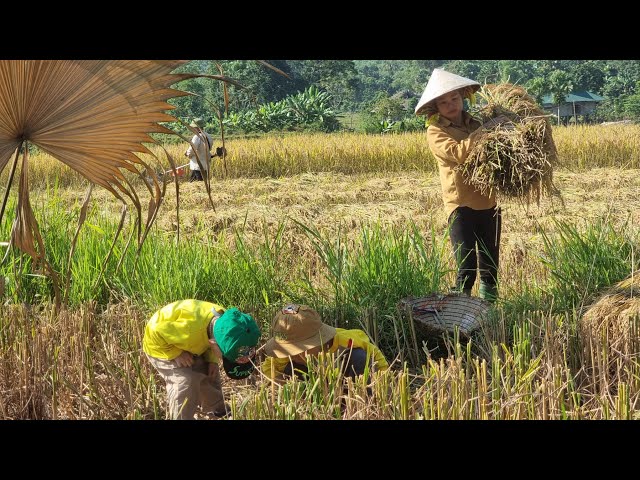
pixel 469 228
pixel 353 364
pixel 196 176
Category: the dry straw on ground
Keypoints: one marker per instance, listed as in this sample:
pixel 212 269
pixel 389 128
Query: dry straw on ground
pixel 615 315
pixel 610 333
pixel 515 159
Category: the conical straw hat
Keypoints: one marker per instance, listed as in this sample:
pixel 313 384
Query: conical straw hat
pixel 442 82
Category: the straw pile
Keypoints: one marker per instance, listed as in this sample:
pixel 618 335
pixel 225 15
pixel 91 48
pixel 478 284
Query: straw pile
pixel 516 159
pixel 616 314
pixel 610 333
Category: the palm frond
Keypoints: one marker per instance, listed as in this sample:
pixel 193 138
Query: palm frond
pixel 93 115
pixel 277 70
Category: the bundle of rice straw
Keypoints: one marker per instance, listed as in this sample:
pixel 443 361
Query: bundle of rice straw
pixel 610 332
pixel 616 313
pixel 513 160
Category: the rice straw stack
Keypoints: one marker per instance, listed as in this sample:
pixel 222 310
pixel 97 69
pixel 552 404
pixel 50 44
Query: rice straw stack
pixel 516 159
pixel 615 310
pixel 610 329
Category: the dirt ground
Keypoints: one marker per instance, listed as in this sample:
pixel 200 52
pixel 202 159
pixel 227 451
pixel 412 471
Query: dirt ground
pixel 328 201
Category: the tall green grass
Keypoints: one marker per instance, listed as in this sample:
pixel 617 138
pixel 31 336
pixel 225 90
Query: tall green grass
pixel 365 281
pixel 354 283
pixel 582 260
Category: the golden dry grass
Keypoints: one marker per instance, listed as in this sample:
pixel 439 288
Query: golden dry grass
pixel 579 147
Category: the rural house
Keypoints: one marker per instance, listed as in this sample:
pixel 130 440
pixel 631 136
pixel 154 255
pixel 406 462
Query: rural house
pixel 575 104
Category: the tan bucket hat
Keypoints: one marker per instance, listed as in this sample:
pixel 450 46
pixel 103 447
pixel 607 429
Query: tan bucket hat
pixel 297 328
pixel 442 82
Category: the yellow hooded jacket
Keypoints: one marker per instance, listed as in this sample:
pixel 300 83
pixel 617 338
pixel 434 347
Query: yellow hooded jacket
pixel 354 338
pixel 179 326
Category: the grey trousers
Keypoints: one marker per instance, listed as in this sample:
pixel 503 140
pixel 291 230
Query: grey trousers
pixel 189 387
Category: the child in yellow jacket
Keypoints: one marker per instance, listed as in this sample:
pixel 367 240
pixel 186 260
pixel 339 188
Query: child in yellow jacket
pixel 298 331
pixel 186 342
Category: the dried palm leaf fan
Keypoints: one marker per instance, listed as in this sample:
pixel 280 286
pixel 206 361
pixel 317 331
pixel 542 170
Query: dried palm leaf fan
pixel 94 116
pixel 514 160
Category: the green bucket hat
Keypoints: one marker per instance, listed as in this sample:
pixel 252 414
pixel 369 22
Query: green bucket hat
pixel 236 333
pixel 197 122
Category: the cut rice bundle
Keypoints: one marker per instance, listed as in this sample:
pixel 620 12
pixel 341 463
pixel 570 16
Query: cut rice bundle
pixel 610 335
pixel 616 314
pixel 516 159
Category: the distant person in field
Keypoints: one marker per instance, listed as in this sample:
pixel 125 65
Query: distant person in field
pixel 199 152
pixel 474 219
pixel 187 341
pixel 298 332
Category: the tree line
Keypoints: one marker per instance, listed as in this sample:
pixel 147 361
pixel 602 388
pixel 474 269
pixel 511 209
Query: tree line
pixel 384 92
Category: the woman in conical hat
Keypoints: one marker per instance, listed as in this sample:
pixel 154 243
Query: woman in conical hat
pixel 474 219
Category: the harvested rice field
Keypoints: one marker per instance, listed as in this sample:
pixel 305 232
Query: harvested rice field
pixel 103 264
pixel 97 371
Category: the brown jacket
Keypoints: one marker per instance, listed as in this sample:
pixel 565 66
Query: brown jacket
pixel 451 144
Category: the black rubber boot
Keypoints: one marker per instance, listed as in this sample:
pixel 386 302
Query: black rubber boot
pixel 488 292
pixel 465 291
pixel 223 412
